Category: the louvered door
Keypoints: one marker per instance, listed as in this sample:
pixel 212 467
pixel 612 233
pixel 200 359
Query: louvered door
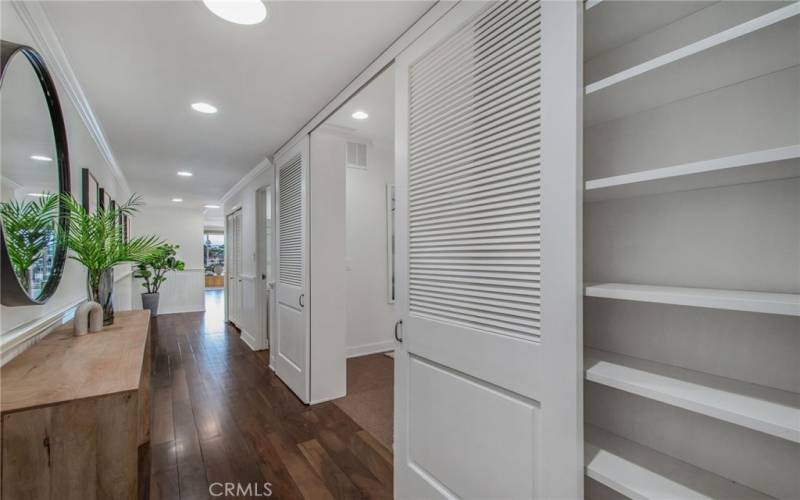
pixel 487 365
pixel 291 342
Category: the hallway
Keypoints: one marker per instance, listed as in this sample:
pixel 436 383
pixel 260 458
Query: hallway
pixel 220 415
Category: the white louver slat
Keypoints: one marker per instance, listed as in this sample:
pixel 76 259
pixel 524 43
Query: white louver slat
pixel 474 175
pixel 290 222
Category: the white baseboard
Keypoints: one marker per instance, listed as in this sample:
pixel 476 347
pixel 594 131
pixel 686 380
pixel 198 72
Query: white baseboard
pixel 180 309
pixel 373 348
pixel 250 339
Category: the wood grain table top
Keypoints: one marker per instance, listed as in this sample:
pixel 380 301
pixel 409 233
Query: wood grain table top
pixel 62 367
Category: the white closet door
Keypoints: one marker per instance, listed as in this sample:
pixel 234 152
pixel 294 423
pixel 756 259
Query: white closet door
pixel 487 370
pixel 291 343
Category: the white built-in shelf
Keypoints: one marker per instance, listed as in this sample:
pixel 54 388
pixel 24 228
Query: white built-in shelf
pixel 642 473
pixel 756 407
pixel 734 300
pixel 757 166
pixel 611 23
pixel 704 65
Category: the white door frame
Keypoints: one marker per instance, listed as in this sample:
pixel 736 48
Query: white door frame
pixel 546 374
pixel 265 289
pixel 291 299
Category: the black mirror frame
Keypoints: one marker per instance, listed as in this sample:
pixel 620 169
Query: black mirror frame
pixel 11 292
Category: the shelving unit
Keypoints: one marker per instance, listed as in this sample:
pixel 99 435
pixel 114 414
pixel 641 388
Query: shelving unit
pixel 733 300
pixel 643 473
pixel 610 24
pixel 770 164
pixel 706 64
pixel 753 406
pixel 692 177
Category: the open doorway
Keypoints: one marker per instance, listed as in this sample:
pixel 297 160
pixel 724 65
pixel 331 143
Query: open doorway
pixel 214 258
pixel 362 134
pixel 265 248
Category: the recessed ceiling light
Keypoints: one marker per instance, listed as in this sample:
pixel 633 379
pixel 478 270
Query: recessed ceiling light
pixel 212 206
pixel 185 174
pixel 204 107
pixel 177 200
pixel 238 11
pixel 37 195
pixel 41 158
pixel 360 115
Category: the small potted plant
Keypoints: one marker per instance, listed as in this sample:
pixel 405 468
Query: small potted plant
pixel 97 242
pixel 153 271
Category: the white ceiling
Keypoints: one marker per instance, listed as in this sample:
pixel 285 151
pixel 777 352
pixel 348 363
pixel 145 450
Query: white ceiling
pixel 377 100
pixel 141 64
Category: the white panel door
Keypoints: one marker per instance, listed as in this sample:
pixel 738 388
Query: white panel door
pixel 291 342
pixel 488 370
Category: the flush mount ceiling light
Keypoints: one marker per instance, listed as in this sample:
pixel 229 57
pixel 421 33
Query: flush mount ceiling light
pixel 211 206
pixel 41 158
pixel 238 11
pixel 360 115
pixel 204 107
pixel 37 195
pixel 185 174
pixel 177 200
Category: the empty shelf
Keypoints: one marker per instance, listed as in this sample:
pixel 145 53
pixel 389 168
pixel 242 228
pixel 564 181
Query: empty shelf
pixel 770 164
pixel 642 473
pixel 611 23
pixel 756 407
pixel 707 64
pixel 734 300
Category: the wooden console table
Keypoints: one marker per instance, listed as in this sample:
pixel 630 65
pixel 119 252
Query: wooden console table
pixel 76 414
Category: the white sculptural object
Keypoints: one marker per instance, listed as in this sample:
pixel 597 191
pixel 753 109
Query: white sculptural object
pixel 88 318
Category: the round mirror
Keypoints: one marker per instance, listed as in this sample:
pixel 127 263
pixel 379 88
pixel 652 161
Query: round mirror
pixel 34 171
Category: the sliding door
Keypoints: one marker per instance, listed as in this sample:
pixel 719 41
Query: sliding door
pixel 291 342
pixel 487 371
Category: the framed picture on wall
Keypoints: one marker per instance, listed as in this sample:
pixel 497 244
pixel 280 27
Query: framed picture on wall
pixel 105 199
pixel 90 198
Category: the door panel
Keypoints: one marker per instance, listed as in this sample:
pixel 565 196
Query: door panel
pixel 487 373
pixel 292 339
pixel 437 434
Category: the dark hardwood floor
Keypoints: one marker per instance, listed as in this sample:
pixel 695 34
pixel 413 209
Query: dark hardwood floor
pixel 221 416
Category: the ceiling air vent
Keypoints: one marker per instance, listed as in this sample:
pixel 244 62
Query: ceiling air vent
pixel 356 155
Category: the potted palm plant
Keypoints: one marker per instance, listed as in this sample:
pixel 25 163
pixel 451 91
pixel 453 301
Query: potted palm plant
pixel 153 271
pixel 98 243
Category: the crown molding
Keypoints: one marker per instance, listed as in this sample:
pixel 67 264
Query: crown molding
pixel 251 175
pixel 36 20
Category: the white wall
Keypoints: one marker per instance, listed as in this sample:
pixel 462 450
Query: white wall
pixel 370 316
pixel 245 198
pixel 184 290
pixel 18 323
pixel 326 247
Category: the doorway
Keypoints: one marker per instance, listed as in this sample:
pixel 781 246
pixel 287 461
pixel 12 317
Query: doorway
pixel 233 281
pixel 214 258
pixel 265 251
pixel 359 139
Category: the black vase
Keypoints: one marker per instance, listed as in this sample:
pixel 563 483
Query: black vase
pixel 102 294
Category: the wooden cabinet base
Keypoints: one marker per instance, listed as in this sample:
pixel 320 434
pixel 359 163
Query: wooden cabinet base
pixel 81 439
